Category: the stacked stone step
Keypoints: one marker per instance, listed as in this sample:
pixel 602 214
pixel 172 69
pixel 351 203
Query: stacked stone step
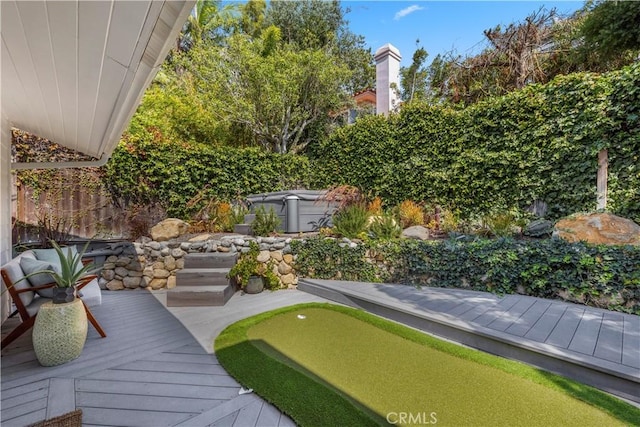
pixel 203 281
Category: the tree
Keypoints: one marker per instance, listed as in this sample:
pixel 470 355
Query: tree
pixel 207 21
pixel 413 79
pixel 275 91
pixel 252 17
pixel 613 27
pixel 308 24
pixel 317 24
pixel 515 56
pixel 598 38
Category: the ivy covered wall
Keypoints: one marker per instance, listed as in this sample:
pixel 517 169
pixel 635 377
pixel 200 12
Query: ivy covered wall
pixel 540 143
pixel 537 144
pixel 171 174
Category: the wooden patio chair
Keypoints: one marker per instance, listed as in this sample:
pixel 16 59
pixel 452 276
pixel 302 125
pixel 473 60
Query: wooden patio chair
pixel 29 311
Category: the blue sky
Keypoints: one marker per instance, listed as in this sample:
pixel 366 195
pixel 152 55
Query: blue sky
pixel 440 25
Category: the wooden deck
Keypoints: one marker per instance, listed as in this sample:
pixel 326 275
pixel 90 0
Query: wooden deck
pixel 157 368
pixel 149 371
pixel 594 346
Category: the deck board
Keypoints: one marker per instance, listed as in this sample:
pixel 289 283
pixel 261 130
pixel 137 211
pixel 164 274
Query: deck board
pixel 631 342
pixel 140 388
pixel 566 327
pixel 609 345
pixel 132 418
pixel 523 325
pixel 586 336
pixel 144 402
pixel 227 421
pixel 512 315
pixel 150 370
pixel 168 378
pixel 548 320
pixel 269 416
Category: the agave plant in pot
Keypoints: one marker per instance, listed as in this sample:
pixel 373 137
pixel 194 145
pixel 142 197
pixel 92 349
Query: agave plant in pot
pixel 252 275
pixel 60 328
pixel 67 272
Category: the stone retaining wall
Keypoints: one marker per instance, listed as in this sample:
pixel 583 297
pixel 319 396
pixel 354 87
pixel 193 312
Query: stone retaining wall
pixel 150 264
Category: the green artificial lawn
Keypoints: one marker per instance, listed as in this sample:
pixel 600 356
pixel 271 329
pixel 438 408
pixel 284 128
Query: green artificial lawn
pixel 340 366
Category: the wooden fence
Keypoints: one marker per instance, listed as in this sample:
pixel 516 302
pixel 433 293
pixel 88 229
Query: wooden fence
pixel 80 210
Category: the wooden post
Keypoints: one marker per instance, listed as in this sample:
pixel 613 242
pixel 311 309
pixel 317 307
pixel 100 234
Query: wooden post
pixel 601 183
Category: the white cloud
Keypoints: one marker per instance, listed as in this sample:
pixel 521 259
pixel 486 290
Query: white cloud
pixel 406 11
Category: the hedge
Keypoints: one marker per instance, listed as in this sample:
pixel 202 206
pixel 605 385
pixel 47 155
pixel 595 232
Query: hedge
pixel 595 275
pixel 171 174
pixel 539 143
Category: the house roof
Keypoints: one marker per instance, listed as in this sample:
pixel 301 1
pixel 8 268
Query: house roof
pixel 74 71
pixel 367 96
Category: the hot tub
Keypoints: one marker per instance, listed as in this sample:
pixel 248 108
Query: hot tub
pixel 298 210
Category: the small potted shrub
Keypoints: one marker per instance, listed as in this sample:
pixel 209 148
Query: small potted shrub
pixel 251 275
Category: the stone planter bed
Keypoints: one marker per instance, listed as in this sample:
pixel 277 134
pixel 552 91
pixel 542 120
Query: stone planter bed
pixel 151 264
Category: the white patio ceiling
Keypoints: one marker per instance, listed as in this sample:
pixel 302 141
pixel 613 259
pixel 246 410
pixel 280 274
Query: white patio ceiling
pixel 74 71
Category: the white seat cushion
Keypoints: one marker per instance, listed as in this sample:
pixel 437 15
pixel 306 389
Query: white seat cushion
pixel 91 294
pixel 15 273
pixel 33 308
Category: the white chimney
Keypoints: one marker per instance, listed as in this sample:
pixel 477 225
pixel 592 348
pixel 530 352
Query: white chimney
pixel 387 73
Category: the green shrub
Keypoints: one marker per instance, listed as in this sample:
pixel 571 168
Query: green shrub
pixel 331 259
pixel 384 227
pixel 595 275
pixel 265 223
pixel 351 221
pixel 172 174
pixel 540 143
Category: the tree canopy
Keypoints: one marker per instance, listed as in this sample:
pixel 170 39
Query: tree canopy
pixel 413 79
pixel 272 90
pixel 272 75
pixel 613 27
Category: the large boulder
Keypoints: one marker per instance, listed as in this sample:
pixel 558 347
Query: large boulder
pixel 168 229
pixel 418 232
pixel 598 228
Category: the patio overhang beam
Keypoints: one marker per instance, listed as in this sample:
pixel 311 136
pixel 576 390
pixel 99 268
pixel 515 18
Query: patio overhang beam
pixel 60 165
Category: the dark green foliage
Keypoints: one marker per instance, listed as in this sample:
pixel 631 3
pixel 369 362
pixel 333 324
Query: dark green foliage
pixel 539 143
pixel 322 25
pixel 327 258
pixel 600 276
pixel 613 27
pixel 369 139
pixel 623 143
pixel 542 268
pixel 265 222
pixel 171 174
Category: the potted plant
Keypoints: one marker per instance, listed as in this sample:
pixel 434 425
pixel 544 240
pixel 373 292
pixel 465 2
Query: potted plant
pixel 60 329
pixel 70 272
pixel 251 275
